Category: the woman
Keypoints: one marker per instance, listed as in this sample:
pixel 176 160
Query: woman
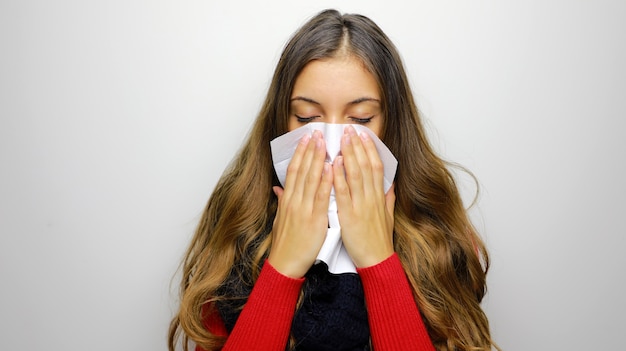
pixel 250 281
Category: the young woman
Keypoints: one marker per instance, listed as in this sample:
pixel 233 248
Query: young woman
pixel 250 281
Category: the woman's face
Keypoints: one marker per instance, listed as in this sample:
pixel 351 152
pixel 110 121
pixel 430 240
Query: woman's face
pixel 336 90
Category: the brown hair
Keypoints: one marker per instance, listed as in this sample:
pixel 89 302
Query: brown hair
pixel 445 260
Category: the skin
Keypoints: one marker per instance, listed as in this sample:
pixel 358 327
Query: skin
pixel 334 90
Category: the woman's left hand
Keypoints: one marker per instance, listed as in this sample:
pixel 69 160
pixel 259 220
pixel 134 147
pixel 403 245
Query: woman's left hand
pixel 365 211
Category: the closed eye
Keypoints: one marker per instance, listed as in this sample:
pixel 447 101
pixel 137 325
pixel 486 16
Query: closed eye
pixel 302 119
pixel 361 120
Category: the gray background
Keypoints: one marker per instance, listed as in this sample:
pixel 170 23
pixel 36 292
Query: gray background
pixel 118 117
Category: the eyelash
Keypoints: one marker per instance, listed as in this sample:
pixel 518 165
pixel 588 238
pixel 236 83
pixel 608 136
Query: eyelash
pixel 362 120
pixel 305 119
pixel 354 119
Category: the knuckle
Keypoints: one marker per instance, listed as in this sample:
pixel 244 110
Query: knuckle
pixel 355 176
pixel 322 195
pixel 292 168
pixel 341 187
pixel 365 164
pixel 377 166
pixel 312 176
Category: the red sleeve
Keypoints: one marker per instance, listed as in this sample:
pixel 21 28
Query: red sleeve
pixel 394 319
pixel 265 321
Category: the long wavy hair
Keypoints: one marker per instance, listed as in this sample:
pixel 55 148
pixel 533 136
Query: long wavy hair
pixel 444 258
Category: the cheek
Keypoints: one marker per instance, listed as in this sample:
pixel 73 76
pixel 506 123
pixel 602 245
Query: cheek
pixel 292 124
pixel 377 128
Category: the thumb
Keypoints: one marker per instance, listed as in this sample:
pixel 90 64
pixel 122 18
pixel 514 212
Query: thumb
pixel 390 199
pixel 278 191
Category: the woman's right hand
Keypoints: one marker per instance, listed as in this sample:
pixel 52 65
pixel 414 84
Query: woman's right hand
pixel 302 217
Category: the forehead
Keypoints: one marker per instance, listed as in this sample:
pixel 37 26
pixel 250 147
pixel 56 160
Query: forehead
pixel 343 77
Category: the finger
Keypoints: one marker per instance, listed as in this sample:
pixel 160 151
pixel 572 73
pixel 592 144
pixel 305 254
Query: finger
pixel 323 192
pixel 316 167
pixel 351 167
pixel 363 161
pixel 349 161
pixel 376 164
pixel 300 182
pixel 296 159
pixel 342 191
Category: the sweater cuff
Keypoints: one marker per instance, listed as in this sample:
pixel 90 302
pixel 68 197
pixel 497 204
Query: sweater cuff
pixel 274 275
pixel 275 292
pixel 389 277
pixel 382 268
pixel 395 321
pixel 266 317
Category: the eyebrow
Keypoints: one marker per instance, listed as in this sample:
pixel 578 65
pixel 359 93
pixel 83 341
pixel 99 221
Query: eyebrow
pixel 353 102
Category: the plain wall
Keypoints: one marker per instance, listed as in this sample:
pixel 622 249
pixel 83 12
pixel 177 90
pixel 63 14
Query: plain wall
pixel 118 117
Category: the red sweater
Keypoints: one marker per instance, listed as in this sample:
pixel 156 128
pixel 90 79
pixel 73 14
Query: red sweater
pixel 265 321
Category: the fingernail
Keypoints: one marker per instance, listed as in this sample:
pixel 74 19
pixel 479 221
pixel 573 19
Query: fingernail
pixel 305 139
pixel 364 136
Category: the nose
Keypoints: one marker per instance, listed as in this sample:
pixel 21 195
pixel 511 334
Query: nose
pixel 333 118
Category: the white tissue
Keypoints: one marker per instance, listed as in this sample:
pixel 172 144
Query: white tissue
pixel 333 253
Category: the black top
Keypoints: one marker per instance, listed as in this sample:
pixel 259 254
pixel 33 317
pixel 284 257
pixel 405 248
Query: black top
pixel 332 316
